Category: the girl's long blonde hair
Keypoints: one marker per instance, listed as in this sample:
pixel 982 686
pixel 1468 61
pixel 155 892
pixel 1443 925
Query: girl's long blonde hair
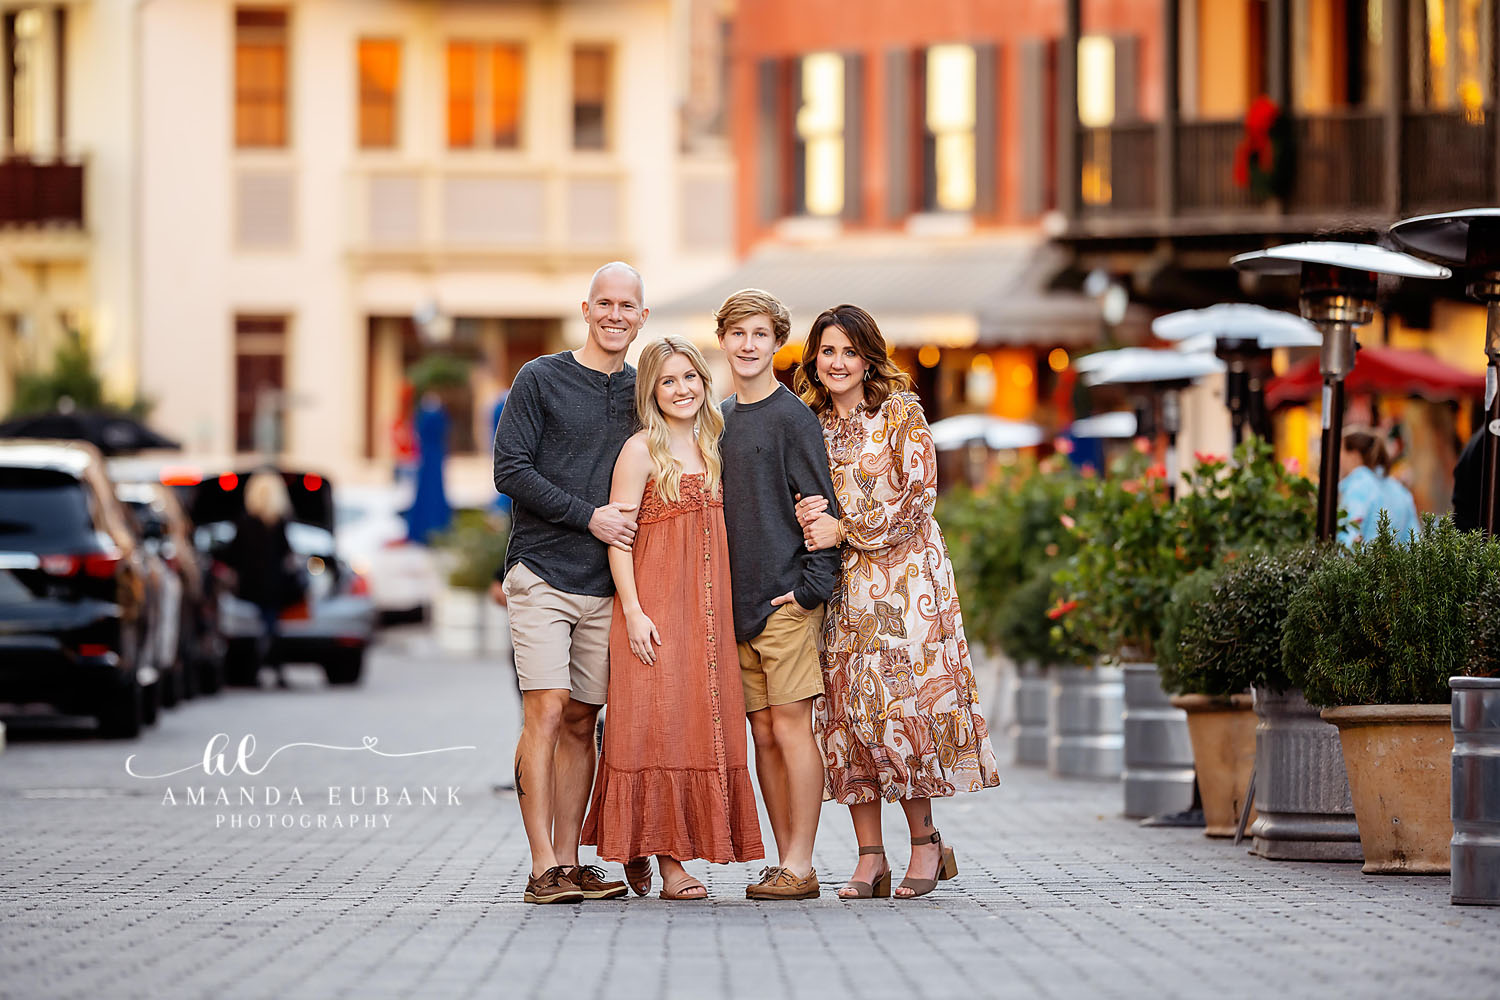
pixel 707 427
pixel 266 497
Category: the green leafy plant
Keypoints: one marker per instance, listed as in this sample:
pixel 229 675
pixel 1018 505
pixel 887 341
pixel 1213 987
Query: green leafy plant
pixel 1231 623
pixel 1484 622
pixel 71 377
pixel 1183 619
pixel 1252 502
pixel 998 536
pixel 1387 623
pixel 1028 628
pixel 476 544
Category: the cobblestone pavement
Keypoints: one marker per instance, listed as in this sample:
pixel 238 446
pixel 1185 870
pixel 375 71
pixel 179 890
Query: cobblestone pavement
pixel 107 890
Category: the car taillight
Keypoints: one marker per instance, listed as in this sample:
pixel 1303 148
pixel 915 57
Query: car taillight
pixel 59 565
pixel 100 565
pixel 93 649
pixel 359 587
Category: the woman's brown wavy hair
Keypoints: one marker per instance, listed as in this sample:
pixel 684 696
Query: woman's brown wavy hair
pixel 884 377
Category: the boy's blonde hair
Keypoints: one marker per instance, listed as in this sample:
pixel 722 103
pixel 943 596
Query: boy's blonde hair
pixel 749 302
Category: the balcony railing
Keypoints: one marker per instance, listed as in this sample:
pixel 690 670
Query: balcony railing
pixel 1339 172
pixel 465 211
pixel 35 194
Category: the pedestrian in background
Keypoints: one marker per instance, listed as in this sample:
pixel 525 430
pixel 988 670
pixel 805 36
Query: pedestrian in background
pixel 674 778
pixel 900 719
pixel 1366 489
pixel 263 563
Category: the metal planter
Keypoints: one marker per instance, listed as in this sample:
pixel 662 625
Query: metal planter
pixel 1028 732
pixel 1305 811
pixel 1158 751
pixel 1085 734
pixel 1475 848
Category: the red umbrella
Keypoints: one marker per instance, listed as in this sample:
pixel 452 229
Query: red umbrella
pixel 1383 371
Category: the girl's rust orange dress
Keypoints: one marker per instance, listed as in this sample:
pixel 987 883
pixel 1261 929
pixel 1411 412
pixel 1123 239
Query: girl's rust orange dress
pixel 674 778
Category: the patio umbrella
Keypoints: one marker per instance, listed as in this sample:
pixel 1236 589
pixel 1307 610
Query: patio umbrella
pixel 1385 371
pixel 995 432
pixel 111 433
pixel 1119 424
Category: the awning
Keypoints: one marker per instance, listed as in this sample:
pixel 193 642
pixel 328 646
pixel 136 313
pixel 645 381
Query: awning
pixel 986 292
pixel 1385 371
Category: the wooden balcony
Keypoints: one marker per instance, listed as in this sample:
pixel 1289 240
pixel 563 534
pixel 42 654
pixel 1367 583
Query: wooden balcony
pixel 1341 175
pixel 41 194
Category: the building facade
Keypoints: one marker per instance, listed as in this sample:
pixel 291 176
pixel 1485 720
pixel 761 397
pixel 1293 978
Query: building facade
pixel 313 196
pixel 902 157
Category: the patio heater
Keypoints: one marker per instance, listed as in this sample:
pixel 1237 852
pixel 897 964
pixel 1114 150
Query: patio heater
pixel 1471 239
pixel 1161 375
pixel 1244 336
pixel 1336 296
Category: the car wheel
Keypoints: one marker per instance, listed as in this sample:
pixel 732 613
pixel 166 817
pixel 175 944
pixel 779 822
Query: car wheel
pixel 242 664
pixel 122 715
pixel 346 668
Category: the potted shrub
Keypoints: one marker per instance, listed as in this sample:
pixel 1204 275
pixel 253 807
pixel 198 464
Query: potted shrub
pixel 1475 848
pixel 1375 634
pixel 1028 632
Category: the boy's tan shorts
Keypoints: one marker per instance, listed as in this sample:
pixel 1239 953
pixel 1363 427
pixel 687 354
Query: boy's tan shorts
pixel 780 665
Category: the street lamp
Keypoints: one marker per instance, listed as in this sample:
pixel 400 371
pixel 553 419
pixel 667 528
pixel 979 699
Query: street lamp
pixel 1471 239
pixel 1337 295
pixel 1244 336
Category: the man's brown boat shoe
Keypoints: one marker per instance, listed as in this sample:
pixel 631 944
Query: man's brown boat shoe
pixel 555 885
pixel 591 882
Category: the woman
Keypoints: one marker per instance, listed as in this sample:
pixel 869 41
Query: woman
pixel 262 559
pixel 674 780
pixel 1366 489
pixel 899 721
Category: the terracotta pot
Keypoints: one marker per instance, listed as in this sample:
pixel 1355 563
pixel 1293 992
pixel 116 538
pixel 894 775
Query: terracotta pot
pixel 1223 735
pixel 1400 771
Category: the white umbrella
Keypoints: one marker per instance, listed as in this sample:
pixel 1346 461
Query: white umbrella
pixel 1119 424
pixel 1238 321
pixel 997 433
pixel 1155 366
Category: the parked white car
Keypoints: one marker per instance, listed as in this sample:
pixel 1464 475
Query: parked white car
pixel 404 576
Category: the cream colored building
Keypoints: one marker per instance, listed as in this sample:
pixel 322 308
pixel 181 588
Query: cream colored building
pixel 287 204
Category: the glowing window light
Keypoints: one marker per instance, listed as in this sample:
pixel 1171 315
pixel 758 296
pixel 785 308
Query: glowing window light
pixel 929 356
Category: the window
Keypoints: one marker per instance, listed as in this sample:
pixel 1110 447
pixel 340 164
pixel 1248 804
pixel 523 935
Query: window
pixel 260 78
pixel 1450 55
pixel 949 116
pixel 820 134
pixel 259 382
pixel 591 71
pixel 486 85
pixel 379 93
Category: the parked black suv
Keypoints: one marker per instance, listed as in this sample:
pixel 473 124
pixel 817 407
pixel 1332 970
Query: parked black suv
pixel 71 588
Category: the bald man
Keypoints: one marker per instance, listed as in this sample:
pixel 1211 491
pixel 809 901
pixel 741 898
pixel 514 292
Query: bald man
pixel 564 423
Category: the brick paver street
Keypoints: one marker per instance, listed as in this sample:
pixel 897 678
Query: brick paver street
pixel 108 891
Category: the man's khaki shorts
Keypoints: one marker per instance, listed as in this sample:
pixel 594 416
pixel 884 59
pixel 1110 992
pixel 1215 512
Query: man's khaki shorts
pixel 780 665
pixel 561 640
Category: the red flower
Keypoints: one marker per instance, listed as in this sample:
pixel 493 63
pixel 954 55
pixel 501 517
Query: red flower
pixel 1062 445
pixel 1292 466
pixel 1141 445
pixel 1131 486
pixel 1057 611
pixel 1068 522
pixel 1205 458
pixel 1088 471
pixel 1157 471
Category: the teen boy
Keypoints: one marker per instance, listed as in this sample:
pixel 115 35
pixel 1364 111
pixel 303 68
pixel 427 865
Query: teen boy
pixel 773 451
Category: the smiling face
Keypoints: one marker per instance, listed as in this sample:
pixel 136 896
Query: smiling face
pixel 839 365
pixel 614 311
pixel 750 346
pixel 680 390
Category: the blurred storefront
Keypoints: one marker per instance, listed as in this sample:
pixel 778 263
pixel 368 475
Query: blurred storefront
pixel 1281 120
